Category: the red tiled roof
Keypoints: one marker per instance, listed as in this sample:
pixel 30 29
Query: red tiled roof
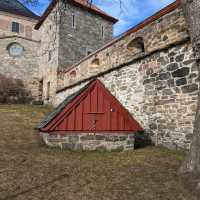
pixel 79 3
pixel 141 25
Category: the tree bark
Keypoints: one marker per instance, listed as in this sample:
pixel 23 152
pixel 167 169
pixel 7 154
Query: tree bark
pixel 191 166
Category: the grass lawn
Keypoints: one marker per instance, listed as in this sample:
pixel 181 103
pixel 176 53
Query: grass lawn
pixel 31 171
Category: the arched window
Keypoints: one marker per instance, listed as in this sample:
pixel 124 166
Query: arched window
pixel 136 45
pixel 73 74
pixel 95 63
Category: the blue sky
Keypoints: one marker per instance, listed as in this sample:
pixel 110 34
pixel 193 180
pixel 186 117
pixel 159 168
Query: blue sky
pixel 129 14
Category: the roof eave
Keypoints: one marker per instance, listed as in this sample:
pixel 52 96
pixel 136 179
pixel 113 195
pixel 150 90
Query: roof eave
pixel 22 15
pixel 53 4
pixel 108 17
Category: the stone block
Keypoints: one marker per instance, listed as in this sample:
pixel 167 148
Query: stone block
pixel 146 81
pixel 171 59
pixel 118 149
pixel 164 76
pixel 123 138
pixel 79 147
pixel 131 137
pixel 170 83
pixel 167 92
pixel 190 88
pixel 192 75
pixel 184 71
pixel 111 138
pixel 172 66
pixel 173 53
pixel 130 142
pixel 182 81
pixel 73 139
pixel 189 136
pixel 189 62
pixel 101 148
pixel 129 147
pixel 154 75
pixel 153 126
pixel 88 137
pixel 69 146
pixel 179 58
pixel 100 137
pixel 149 71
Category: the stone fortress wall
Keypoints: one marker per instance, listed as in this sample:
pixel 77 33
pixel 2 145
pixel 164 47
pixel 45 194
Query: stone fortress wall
pixel 151 70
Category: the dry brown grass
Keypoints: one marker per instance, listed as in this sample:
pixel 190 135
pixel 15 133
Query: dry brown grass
pixel 31 171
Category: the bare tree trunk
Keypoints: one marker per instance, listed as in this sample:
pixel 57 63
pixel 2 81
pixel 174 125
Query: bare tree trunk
pixel 191 166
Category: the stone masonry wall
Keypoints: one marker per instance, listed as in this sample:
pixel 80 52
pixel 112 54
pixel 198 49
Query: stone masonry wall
pixel 25 67
pixel 160 91
pixel 85 36
pixel 88 142
pixel 167 30
pixel 156 81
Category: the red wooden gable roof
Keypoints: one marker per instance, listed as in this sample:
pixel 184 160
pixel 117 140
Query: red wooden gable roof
pixel 92 109
pixel 84 4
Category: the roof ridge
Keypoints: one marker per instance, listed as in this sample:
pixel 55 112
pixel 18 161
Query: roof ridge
pixel 84 5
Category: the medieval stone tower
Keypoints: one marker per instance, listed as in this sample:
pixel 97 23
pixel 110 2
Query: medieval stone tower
pixel 63 35
pixel 69 31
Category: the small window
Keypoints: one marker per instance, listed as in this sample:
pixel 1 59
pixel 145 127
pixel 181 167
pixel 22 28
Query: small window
pixel 49 55
pixel 95 63
pixel 102 31
pixel 41 89
pixel 48 90
pixel 15 27
pixel 136 45
pixel 73 74
pixel 88 52
pixel 73 21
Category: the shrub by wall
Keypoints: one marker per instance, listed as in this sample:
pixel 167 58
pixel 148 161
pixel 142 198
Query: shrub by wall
pixel 13 91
